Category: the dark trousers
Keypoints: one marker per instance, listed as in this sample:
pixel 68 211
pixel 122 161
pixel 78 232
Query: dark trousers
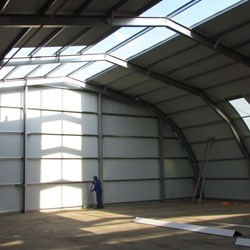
pixel 99 199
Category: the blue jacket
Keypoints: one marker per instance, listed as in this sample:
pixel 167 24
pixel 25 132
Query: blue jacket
pixel 97 186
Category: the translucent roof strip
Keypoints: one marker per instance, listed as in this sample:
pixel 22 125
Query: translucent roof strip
pixel 66 69
pixel 44 69
pixel 242 106
pixel 202 10
pixel 21 71
pixel 5 71
pixel 91 70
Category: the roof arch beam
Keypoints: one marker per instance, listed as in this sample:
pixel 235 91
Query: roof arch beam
pixel 16 20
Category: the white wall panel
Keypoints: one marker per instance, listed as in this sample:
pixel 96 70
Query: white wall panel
pixel 62 146
pixel 227 189
pixel 131 191
pixel 11 119
pixel 134 126
pixel 177 168
pixel 227 169
pixel 44 121
pixel 57 196
pixel 45 98
pixel 179 188
pixel 10 199
pixel 79 123
pixel 79 101
pixel 113 107
pixel 58 122
pixel 11 98
pixel 130 147
pixel 173 148
pixel 130 169
pixel 11 145
pixel 51 170
pixel 11 171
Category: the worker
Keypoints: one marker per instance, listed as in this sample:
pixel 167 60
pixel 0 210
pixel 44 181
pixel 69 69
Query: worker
pixel 98 190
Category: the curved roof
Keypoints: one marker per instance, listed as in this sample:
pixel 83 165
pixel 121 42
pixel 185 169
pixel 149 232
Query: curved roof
pixel 187 79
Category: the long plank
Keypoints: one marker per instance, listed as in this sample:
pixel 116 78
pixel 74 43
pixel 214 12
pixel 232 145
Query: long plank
pixel 245 242
pixel 188 227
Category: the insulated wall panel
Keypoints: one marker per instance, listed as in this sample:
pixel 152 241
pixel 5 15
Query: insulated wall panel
pixel 174 168
pixel 63 170
pixel 131 191
pixel 10 198
pixel 227 189
pixel 226 149
pixel 114 169
pixel 203 132
pixel 11 145
pixel 129 126
pixel 11 171
pixel 182 188
pixel 57 196
pixel 11 98
pixel 130 147
pixel 173 148
pixel 227 169
pixel 11 119
pixel 62 146
pixel 113 107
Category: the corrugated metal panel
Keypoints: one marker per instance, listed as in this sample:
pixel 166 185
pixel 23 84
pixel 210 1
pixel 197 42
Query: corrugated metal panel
pixel 179 104
pixel 130 169
pixel 226 149
pixel 51 170
pixel 227 189
pixel 11 145
pixel 202 133
pixel 179 188
pixel 10 199
pixel 131 191
pixel 47 146
pixel 199 116
pixel 11 119
pixel 110 106
pixel 174 168
pixel 130 147
pixel 129 126
pixel 10 171
pixel 58 122
pixel 227 169
pixel 173 148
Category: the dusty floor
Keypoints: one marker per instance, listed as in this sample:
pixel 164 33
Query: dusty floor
pixel 113 227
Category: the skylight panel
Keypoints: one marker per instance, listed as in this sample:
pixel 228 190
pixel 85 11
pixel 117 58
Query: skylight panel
pixel 44 69
pixel 5 71
pixel 91 70
pixel 164 8
pixel 114 39
pixel 242 106
pixel 21 71
pixel 202 10
pixel 72 50
pixel 47 51
pixel 143 42
pixel 66 69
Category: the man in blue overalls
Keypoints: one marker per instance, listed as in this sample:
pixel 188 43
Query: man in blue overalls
pixel 98 190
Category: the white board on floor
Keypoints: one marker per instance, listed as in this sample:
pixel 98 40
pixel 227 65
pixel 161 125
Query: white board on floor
pixel 188 227
pixel 242 242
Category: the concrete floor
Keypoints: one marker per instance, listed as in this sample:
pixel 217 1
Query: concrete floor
pixel 113 227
